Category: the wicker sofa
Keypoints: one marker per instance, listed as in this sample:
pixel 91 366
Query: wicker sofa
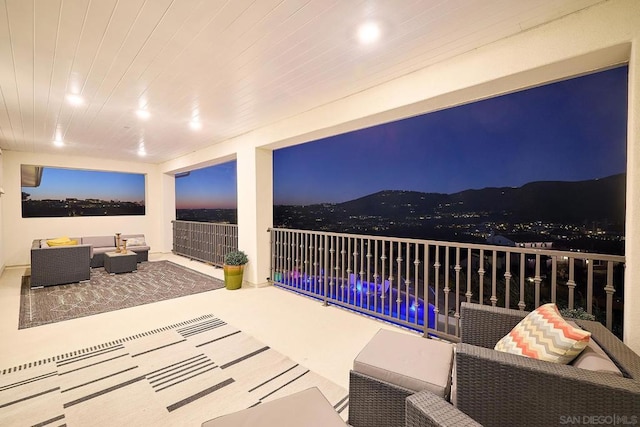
pixel 102 244
pixel 69 264
pixel 497 389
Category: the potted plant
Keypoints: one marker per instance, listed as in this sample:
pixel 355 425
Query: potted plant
pixel 234 262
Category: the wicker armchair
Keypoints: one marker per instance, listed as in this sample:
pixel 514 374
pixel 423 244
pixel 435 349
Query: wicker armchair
pixel 59 265
pixel 500 389
pixel 496 388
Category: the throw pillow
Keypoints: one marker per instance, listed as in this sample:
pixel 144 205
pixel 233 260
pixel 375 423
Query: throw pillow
pixel 66 243
pixel 545 335
pixel 57 241
pixel 135 241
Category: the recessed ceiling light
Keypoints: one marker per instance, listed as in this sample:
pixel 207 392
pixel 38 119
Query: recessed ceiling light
pixel 74 99
pixel 57 141
pixel 142 152
pixel 368 32
pixel 143 114
pixel 195 124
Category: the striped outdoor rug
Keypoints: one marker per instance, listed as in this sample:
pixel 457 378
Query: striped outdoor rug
pixel 178 375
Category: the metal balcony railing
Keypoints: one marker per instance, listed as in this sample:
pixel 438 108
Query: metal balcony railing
pixel 421 283
pixel 204 241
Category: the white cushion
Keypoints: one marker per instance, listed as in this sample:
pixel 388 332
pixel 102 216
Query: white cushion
pixel 136 241
pixel 100 241
pixel 308 408
pixel 593 358
pixel 407 361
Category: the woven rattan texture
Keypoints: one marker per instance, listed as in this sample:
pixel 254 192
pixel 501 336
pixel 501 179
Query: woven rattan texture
pixel 425 409
pixel 375 403
pixel 498 389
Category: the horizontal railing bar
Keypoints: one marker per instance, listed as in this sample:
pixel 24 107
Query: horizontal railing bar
pixel 180 221
pixel 442 243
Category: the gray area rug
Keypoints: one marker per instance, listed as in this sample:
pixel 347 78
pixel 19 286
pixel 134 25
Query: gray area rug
pixel 154 281
pixel 175 375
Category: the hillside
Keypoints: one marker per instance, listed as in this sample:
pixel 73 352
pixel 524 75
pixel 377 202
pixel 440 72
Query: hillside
pixel 571 202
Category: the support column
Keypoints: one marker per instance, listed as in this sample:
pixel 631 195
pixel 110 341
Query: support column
pixel 632 227
pixel 255 211
pixel 168 213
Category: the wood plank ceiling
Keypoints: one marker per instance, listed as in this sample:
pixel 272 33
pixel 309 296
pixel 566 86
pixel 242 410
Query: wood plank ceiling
pixel 231 66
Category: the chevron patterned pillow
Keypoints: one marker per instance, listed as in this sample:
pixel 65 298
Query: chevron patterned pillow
pixel 545 335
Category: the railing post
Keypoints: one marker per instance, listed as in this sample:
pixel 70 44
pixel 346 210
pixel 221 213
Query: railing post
pixel 469 294
pixel 554 279
pixel 446 290
pixel 457 269
pixel 481 272
pixel 507 280
pixel 571 284
pixel 323 272
pixel 436 280
pixel 425 311
pixel 272 266
pixel 399 272
pixel 416 284
pixel 362 272
pixel 590 286
pixel 494 278
pixel 609 290
pixel 521 304
pixel 537 280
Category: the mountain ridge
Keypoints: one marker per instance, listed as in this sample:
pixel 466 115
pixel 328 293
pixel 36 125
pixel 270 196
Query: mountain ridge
pixel 595 199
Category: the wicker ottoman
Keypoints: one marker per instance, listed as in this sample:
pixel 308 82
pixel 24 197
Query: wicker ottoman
pixel 392 367
pixel 308 408
pixel 123 262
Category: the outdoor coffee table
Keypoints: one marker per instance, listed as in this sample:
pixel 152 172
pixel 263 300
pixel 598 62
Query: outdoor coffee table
pixel 123 262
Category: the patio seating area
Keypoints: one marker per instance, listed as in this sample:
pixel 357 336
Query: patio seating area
pixel 408 302
pixel 487 387
pixel 389 386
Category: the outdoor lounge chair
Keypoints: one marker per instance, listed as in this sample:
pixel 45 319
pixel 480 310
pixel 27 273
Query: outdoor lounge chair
pixel 497 388
pixel 493 388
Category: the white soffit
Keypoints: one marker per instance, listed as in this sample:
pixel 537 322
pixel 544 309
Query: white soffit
pixel 205 71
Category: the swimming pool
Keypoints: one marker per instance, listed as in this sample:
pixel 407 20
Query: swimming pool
pixel 377 299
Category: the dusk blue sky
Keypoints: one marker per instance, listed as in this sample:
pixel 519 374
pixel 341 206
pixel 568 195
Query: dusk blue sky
pixel 60 183
pixel 569 131
pixel 214 187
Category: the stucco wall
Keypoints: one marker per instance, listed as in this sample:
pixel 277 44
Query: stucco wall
pixel 19 232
